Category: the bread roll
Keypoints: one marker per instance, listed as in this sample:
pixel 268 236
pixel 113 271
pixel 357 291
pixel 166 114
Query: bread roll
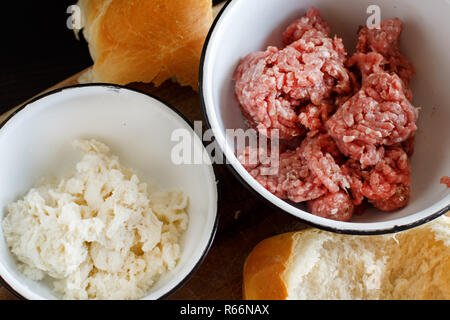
pixel 314 264
pixel 145 40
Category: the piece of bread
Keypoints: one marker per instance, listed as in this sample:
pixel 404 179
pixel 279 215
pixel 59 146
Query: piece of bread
pixel 314 264
pixel 145 40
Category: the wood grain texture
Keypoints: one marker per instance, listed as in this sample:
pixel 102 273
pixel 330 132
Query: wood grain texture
pixel 244 219
pixel 5 294
pixel 67 82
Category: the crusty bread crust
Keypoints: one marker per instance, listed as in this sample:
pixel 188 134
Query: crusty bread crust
pixel 146 41
pixel 314 264
pixel 264 267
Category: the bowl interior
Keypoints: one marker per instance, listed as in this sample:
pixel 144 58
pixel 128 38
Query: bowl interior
pixel 251 25
pixel 36 142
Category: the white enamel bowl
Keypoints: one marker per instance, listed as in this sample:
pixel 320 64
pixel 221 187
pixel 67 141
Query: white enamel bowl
pixel 244 26
pixel 36 142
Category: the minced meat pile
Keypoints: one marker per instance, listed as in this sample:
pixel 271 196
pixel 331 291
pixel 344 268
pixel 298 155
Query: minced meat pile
pixel 346 123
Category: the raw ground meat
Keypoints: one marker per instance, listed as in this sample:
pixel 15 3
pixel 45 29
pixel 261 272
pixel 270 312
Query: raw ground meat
pixel 336 206
pixel 311 21
pixel 346 125
pixel 408 145
pixel 386 185
pixel 320 154
pixel 273 85
pixel 378 115
pixel 386 41
pixel 293 179
pixel 352 169
pixel 313 117
pixel 257 89
pixel 302 174
pixel 446 180
pixel 397 201
pixel 382 181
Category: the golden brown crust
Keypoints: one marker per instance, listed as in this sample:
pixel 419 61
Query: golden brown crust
pixel 92 8
pixel 264 267
pixel 413 264
pixel 147 41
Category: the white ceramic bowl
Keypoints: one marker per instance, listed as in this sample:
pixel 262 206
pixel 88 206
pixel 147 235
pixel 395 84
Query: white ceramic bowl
pixel 244 26
pixel 36 142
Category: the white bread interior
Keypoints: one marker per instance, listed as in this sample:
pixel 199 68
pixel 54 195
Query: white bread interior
pixel 413 264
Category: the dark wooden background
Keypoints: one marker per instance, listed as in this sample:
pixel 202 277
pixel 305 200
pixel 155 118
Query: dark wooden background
pixel 38 51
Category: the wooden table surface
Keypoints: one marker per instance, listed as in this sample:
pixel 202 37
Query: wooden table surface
pixel 244 219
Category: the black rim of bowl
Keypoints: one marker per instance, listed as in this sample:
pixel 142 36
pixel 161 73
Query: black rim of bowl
pixel 177 112
pixel 394 229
